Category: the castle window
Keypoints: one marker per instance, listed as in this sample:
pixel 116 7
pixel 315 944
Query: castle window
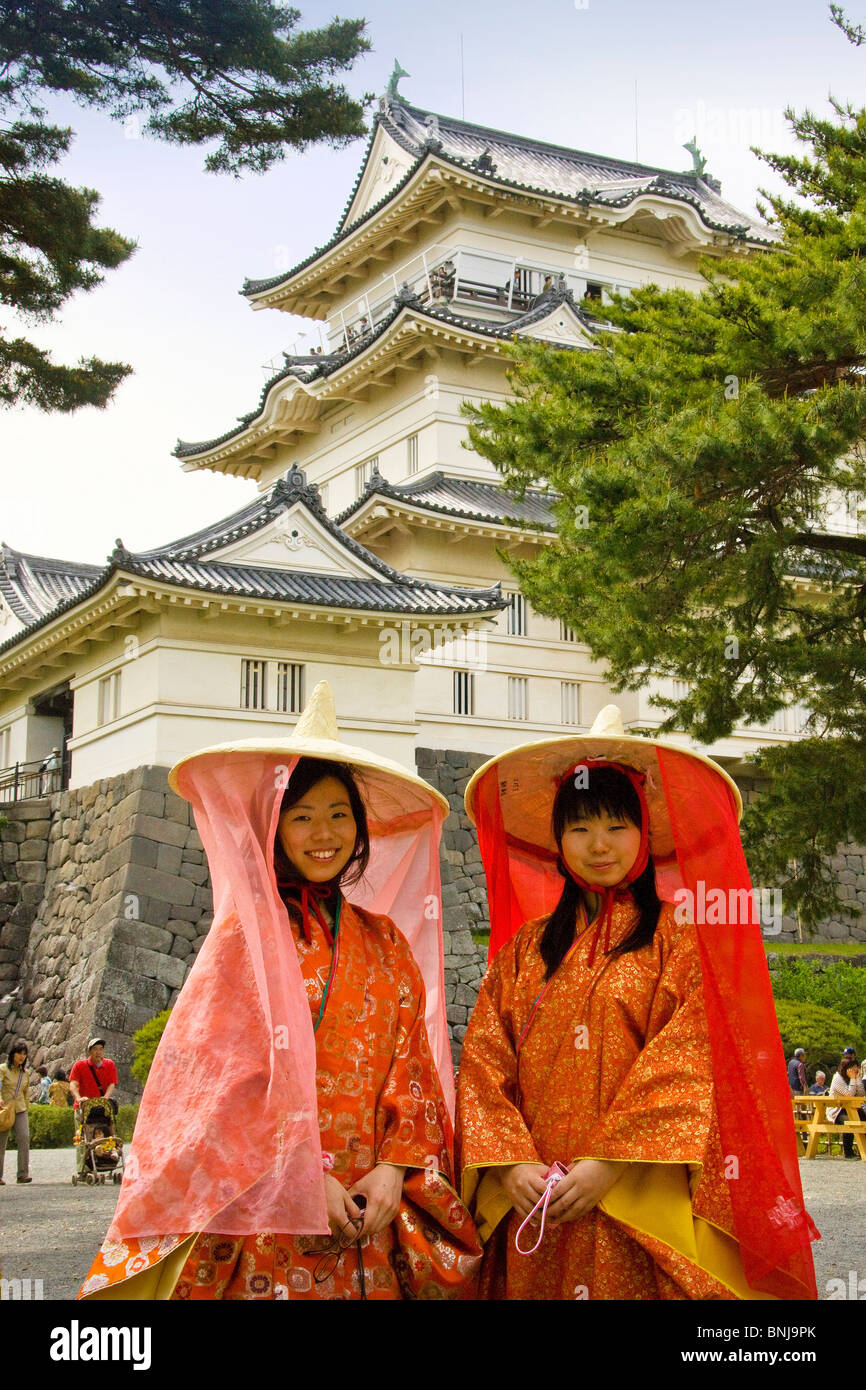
pixel 517 697
pixel 412 454
pixel 363 473
pixel 516 615
pixel 5 745
pixel 566 633
pixel 570 691
pixel 253 684
pixel 464 692
pixel 109 699
pixel 290 687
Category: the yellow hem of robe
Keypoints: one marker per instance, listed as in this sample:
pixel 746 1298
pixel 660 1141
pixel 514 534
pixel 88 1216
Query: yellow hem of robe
pixel 158 1282
pixel 651 1198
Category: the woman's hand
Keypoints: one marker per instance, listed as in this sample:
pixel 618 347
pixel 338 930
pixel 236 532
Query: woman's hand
pixel 524 1184
pixel 582 1188
pixel 341 1209
pixel 382 1187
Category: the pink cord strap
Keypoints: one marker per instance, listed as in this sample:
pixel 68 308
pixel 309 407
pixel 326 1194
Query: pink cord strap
pixel 553 1177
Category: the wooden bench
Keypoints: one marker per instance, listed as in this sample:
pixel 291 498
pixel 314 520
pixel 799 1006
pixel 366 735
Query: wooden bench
pixel 816 1125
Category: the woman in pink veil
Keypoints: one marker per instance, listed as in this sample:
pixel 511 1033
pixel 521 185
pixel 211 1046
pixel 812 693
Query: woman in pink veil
pixel 306 1061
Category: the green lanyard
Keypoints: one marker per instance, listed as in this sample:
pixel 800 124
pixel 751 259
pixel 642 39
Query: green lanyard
pixel 335 950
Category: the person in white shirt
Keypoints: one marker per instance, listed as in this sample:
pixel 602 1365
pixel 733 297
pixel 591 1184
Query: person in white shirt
pixel 846 1082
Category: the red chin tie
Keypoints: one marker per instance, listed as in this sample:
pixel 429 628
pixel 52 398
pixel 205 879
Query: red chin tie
pixel 309 896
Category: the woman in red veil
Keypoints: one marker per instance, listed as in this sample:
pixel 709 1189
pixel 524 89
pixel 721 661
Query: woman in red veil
pixel 294 1137
pixel 622 1076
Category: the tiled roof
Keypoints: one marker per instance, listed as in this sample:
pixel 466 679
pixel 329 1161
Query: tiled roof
pixel 517 162
pixel 34 585
pixel 186 564
pixel 326 365
pixel 463 497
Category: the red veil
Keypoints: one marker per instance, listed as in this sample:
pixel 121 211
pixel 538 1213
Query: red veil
pixel 695 846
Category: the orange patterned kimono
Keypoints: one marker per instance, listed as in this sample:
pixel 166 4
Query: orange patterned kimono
pixel 379 1101
pixel 612 1063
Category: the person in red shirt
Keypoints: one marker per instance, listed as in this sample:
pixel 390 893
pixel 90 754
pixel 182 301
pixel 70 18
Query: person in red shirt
pixel 95 1075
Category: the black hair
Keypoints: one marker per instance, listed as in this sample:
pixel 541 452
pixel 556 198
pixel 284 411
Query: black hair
pixel 19 1046
pixel 845 1063
pixel 60 1075
pixel 608 792
pixel 307 773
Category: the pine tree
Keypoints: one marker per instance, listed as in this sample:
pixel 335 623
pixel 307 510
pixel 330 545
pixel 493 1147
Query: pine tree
pixel 237 75
pixel 692 458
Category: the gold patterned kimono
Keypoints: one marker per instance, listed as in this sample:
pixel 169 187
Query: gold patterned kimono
pixel 380 1100
pixel 611 1062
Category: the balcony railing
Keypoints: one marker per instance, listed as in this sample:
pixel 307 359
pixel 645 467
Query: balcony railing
pixel 447 275
pixel 25 781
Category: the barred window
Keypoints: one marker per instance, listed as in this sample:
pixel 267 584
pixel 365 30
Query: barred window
pixel 570 692
pixel 363 473
pixel 464 692
pixel 290 687
pixel 516 615
pixel 5 745
pixel 566 633
pixel 253 684
pixel 517 697
pixel 412 453
pixel 109 698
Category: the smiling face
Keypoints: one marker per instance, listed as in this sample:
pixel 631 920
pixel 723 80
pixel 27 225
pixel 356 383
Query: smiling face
pixel 19 1057
pixel 600 849
pixel 318 833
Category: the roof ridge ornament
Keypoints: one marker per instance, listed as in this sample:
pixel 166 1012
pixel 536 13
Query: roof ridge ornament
pixel 119 555
pixel 699 163
pixel 397 72
pixel 484 163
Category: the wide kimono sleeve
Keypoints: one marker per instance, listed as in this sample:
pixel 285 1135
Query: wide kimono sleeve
pixel 491 1131
pixel 413 1128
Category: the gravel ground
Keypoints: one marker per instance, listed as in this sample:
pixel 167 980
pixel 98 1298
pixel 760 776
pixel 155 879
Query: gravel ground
pixel 52 1230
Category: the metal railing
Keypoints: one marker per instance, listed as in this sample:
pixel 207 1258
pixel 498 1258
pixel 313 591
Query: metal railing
pixel 25 781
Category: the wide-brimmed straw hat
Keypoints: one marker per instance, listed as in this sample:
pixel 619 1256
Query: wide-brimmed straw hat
pixel 529 776
pixel 316 736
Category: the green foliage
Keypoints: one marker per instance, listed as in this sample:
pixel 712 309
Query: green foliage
pixel 145 1043
pixel 51 1127
pixel 126 1118
pixel 238 76
pixel 837 985
pixel 689 460
pixel 819 1031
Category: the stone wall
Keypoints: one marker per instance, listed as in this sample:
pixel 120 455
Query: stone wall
pixel 125 904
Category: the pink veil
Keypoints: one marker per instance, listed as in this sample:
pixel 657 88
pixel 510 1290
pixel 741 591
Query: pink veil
pixel 227 1137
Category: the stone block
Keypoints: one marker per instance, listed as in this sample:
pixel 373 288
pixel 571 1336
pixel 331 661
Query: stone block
pixel 149 803
pixel 193 840
pixel 462 944
pixel 425 757
pixel 14 833
pixel 113 1015
pixel 196 873
pixel 37 829
pixel 203 896
pixel 193 856
pixel 30 810
pixel 456 1013
pixel 466 994
pixel 32 873
pixel 151 994
pixel 134 849
pixel 451 978
pixel 154 779
pixel 32 850
pixel 477 895
pixel 169 859
pixel 176 809
pixel 178 927
pixel 188 912
pixel 467 973
pixel 459 1031
pixel 181 948
pixel 165 832
pixel 121 955
pixel 167 969
pixel 31 895
pixel 143 934
pixel 153 884
pixel 9 852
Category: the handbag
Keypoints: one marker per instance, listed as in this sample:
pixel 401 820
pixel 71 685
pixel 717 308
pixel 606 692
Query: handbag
pixel 7 1113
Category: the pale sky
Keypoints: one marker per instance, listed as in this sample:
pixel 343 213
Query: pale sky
pixel 556 70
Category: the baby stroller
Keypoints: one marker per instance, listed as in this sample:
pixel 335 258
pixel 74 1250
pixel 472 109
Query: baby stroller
pixel 99 1152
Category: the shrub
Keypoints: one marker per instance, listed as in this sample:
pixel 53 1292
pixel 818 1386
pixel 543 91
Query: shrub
pixel 145 1043
pixel 54 1128
pixel 51 1127
pixel 822 1032
pixel 832 985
